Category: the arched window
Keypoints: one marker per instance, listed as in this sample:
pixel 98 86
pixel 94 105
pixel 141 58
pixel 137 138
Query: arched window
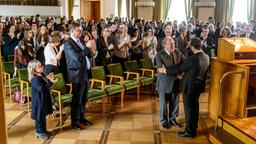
pixel 240 11
pixel 177 11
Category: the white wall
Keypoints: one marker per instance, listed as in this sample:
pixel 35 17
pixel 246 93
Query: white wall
pixel 8 10
pixel 107 8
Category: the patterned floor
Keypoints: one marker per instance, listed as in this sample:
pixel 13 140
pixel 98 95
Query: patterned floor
pixel 135 123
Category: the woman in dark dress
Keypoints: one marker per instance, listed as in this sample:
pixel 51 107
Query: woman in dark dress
pixel 41 98
pixel 103 47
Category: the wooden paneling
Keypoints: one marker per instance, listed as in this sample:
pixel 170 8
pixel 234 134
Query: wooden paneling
pixel 90 9
pixel 235 87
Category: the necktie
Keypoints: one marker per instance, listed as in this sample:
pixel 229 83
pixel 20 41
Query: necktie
pixel 88 64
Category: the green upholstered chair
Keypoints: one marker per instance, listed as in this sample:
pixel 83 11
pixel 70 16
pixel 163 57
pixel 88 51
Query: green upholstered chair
pixel 129 82
pixel 10 58
pixel 61 94
pixel 9 81
pixel 98 73
pixel 63 97
pixel 148 65
pixel 25 87
pixel 147 75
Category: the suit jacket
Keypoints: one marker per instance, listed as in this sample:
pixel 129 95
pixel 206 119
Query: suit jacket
pixel 181 44
pixel 195 67
pixel 210 45
pixel 165 82
pixel 252 36
pixel 76 63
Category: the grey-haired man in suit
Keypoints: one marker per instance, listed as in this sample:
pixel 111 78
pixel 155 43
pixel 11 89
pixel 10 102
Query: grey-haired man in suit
pixel 168 86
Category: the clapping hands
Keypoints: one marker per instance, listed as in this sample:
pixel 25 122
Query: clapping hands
pixel 51 78
pixel 162 70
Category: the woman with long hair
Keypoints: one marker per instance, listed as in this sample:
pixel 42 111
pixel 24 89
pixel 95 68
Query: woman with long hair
pixel 149 45
pixel 41 42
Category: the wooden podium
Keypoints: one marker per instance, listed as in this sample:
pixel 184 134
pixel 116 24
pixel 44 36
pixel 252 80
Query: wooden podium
pixel 233 78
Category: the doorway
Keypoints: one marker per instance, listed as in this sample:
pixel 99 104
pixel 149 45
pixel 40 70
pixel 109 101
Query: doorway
pixel 90 9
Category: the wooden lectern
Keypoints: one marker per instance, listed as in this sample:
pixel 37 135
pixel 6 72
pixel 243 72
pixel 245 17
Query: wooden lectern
pixel 233 78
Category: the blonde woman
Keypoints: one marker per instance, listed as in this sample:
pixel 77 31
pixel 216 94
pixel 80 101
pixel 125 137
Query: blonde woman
pixel 41 102
pixel 149 45
pixel 121 52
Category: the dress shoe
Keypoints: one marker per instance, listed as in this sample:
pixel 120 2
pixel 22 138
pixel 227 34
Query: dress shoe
pixel 187 134
pixel 76 127
pixel 86 122
pixel 175 123
pixel 42 136
pixel 165 125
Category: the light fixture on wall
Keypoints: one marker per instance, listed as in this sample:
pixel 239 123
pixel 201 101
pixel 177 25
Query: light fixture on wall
pixel 145 4
pixel 205 4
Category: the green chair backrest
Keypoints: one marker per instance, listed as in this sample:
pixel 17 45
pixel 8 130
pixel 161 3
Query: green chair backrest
pixel 115 69
pixel 146 63
pixel 8 67
pixel 131 66
pixel 60 85
pixel 23 74
pixel 98 73
pixel 10 58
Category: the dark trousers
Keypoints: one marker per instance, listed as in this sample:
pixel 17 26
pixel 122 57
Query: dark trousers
pixel 51 69
pixel 40 126
pixel 191 107
pixel 78 102
pixel 169 106
pixel 137 57
pixel 120 60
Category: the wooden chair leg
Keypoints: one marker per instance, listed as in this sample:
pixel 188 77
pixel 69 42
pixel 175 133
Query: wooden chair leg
pixel 122 98
pixel 60 110
pixel 103 104
pixel 138 93
pixel 28 102
pixel 10 90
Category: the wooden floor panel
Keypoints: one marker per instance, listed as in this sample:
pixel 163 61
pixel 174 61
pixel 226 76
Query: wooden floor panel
pixel 137 122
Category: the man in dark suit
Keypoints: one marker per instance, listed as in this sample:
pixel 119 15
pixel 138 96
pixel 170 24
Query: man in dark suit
pixel 207 42
pixel 168 86
pixel 78 64
pixel 248 33
pixel 195 68
pixel 182 42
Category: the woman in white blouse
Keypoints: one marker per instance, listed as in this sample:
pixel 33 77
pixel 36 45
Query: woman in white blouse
pixel 52 54
pixel 149 45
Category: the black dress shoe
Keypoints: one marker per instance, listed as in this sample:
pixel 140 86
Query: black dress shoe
pixel 165 125
pixel 187 134
pixel 76 127
pixel 86 122
pixel 175 123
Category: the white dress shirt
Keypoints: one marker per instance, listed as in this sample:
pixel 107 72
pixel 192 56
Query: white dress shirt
pixel 50 54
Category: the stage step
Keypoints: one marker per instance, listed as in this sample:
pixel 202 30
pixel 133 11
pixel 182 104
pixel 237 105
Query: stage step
pixel 231 127
pixel 220 136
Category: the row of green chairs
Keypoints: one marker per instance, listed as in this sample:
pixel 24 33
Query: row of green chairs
pixel 62 93
pixel 118 81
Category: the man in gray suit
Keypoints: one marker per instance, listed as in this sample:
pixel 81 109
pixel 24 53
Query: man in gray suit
pixel 168 86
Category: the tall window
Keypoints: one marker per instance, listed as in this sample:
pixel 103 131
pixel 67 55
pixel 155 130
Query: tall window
pixel 177 11
pixel 123 9
pixel 116 7
pixel 240 11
